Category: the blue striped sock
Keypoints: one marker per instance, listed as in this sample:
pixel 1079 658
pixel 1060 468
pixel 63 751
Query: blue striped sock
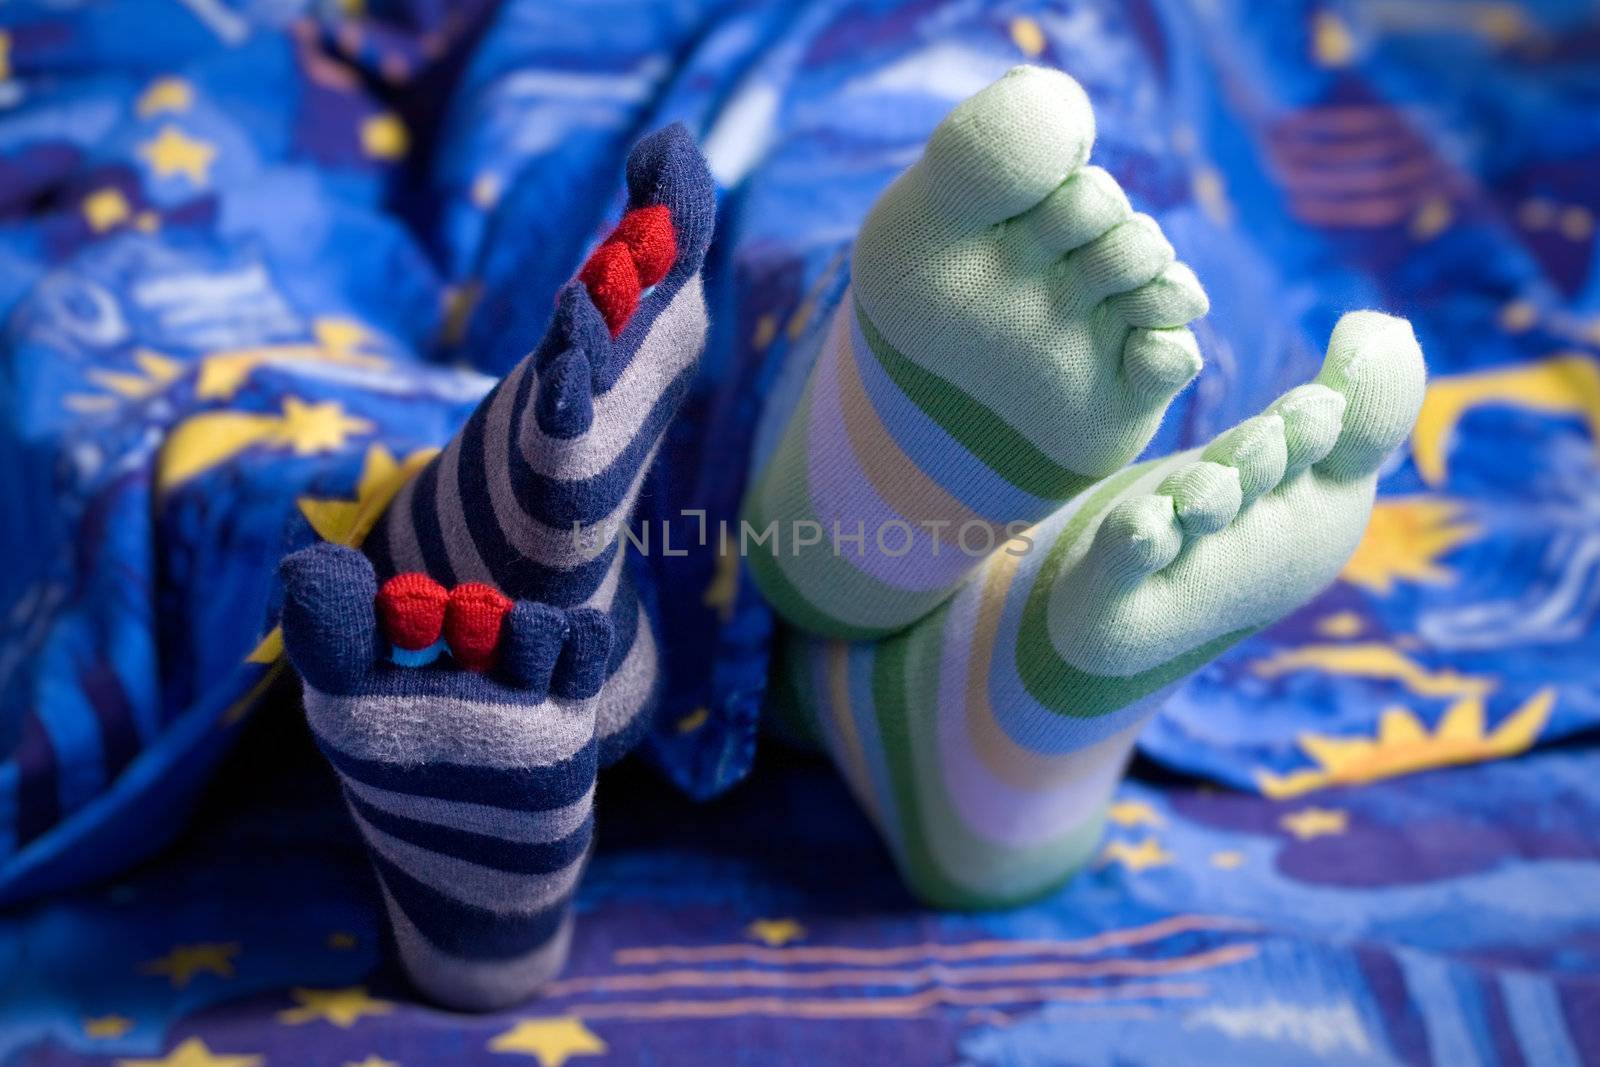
pixel 568 436
pixel 474 791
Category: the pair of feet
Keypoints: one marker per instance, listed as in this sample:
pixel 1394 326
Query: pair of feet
pixel 469 701
pixel 1014 336
pixel 984 604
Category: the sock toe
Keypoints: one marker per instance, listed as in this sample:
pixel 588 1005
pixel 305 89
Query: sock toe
pixel 1375 362
pixel 667 168
pixel 329 618
pixel 1311 420
pixel 1205 496
pixel 1255 448
pixel 581 669
pixel 1137 536
pixel 1157 364
pixel 1085 206
pixel 1174 297
pixel 1003 150
pixel 533 638
pixel 1132 254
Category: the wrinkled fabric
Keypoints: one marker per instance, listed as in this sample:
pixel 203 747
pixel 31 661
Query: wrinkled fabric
pixel 246 250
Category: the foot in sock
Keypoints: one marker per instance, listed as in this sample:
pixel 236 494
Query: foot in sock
pixel 985 740
pixel 1014 332
pixel 471 776
pixel 532 494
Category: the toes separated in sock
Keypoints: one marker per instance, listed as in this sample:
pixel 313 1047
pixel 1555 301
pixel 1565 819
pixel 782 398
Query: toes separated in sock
pixel 470 777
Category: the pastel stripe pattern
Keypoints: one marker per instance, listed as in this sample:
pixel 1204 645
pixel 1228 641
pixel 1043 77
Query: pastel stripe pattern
pixel 986 739
pixel 870 453
pixel 984 757
pixel 474 790
pixel 533 494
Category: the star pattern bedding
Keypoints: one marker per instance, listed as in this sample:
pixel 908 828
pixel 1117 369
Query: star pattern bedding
pixel 244 250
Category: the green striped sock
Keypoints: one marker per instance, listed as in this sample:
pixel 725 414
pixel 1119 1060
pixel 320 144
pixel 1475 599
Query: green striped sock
pixel 1014 332
pixel 985 739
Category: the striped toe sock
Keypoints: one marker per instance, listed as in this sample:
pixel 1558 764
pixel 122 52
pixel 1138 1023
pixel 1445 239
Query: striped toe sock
pixel 900 484
pixel 986 739
pixel 533 494
pixel 1013 332
pixel 462 726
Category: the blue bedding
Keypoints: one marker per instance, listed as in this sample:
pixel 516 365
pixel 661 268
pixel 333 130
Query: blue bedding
pixel 257 259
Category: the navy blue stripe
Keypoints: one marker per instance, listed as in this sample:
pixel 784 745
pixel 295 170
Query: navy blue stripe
pixel 514 857
pixel 1407 1033
pixel 1580 1006
pixel 624 621
pixel 38 805
pixel 464 930
pixel 376 545
pixel 1502 1034
pixel 523 788
pixel 113 714
pixel 425 521
pixel 514 573
pixel 618 744
pixel 560 502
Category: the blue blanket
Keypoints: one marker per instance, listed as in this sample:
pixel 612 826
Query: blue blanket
pixel 246 250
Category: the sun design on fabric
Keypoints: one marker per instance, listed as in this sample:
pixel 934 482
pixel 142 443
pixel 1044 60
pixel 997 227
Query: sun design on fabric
pixel 1404 745
pixel 1405 541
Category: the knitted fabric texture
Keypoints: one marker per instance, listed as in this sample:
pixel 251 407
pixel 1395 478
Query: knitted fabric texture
pixel 1014 332
pixel 1014 336
pixel 532 495
pixel 473 789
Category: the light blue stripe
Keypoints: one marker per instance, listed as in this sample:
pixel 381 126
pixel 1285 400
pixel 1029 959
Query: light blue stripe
pixel 859 678
pixel 1536 1017
pixel 1433 988
pixel 941 457
pixel 815 675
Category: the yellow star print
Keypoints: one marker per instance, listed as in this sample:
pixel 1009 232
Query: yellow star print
pixel 372 1061
pixel 776 932
pixel 1133 813
pixel 1227 861
pixel 308 429
pixel 185 961
pixel 340 941
pixel 384 137
pixel 194 1053
pixel 553 1041
pixel 107 1026
pixel 104 208
pixel 347 522
pixel 202 442
pixel 165 94
pixel 1315 822
pixel 341 1007
pixel 174 152
pixel 1147 853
